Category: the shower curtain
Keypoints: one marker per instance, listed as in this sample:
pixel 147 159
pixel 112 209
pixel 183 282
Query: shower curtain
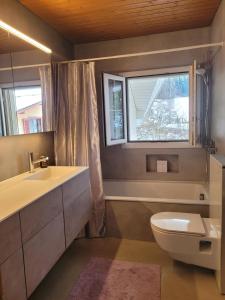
pixel 47 98
pixel 76 129
pixel 8 112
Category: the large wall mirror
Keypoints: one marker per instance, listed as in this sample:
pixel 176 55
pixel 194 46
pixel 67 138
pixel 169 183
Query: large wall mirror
pixel 24 86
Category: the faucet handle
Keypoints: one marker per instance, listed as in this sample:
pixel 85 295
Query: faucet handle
pixel 44 161
pixel 44 157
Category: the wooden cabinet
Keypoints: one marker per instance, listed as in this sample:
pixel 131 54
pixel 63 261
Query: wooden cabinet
pixel 10 237
pixel 37 215
pixel 42 251
pixel 77 205
pixel 12 278
pixel 34 239
pixel 77 214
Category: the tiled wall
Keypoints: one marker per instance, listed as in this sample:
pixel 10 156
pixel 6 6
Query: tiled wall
pixel 217 210
pixel 131 220
pixel 14 149
pixel 118 162
pixel 218 121
pixel 218 90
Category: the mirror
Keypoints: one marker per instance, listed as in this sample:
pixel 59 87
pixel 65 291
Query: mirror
pixel 6 77
pixel 24 87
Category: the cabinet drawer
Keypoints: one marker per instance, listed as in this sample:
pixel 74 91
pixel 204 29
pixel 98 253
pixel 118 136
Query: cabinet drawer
pixel 38 214
pixel 77 214
pixel 42 251
pixel 10 237
pixel 12 278
pixel 75 186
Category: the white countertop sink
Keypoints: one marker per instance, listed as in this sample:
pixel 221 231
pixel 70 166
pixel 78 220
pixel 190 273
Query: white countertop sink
pixel 51 173
pixel 20 191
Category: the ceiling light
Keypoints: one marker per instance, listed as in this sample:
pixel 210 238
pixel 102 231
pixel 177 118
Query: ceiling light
pixel 24 37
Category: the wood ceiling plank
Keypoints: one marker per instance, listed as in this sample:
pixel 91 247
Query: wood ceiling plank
pixel 81 20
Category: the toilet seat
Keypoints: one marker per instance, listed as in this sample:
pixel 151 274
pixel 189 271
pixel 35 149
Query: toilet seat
pixel 188 238
pixel 178 223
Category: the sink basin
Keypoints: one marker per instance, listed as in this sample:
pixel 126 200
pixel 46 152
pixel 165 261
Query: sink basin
pixel 51 173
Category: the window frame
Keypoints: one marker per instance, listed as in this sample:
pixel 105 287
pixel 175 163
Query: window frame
pixel 190 143
pixel 109 141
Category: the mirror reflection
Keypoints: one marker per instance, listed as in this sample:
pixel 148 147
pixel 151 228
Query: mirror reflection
pixel 23 87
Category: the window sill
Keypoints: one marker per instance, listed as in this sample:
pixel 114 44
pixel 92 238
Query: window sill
pixel 157 145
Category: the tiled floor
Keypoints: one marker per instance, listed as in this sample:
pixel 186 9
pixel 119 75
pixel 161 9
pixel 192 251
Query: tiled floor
pixel 179 281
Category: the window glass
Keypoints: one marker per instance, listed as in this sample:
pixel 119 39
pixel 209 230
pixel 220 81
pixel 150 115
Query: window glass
pixel 29 109
pixel 158 107
pixel 116 109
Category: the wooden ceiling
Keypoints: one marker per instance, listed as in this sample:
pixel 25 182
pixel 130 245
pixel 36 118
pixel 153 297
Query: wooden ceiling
pixel 97 20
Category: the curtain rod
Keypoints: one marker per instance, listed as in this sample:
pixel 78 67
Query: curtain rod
pixel 170 50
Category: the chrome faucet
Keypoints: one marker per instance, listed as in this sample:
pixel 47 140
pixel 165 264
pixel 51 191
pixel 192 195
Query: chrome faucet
pixel 33 162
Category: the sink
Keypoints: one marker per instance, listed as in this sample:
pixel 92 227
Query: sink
pixel 51 173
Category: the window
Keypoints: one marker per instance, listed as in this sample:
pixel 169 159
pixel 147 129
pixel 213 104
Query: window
pixel 157 106
pixel 115 109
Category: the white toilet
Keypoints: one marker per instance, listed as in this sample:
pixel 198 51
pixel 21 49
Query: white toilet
pixel 188 238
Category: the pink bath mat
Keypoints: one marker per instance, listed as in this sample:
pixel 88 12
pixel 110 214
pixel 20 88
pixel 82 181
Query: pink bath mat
pixel 105 279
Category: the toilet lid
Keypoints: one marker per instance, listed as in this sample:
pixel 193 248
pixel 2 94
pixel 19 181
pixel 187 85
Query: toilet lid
pixel 178 222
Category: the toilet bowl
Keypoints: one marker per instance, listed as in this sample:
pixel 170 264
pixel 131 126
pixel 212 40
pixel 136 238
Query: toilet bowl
pixel 188 238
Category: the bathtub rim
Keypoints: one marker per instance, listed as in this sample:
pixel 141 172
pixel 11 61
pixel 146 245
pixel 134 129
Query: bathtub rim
pixel 159 200
pixel 156 200
pixel 202 182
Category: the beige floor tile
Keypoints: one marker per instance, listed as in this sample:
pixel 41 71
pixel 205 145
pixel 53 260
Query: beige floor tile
pixel 179 281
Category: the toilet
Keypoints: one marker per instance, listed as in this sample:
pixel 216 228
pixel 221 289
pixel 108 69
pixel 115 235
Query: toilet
pixel 188 238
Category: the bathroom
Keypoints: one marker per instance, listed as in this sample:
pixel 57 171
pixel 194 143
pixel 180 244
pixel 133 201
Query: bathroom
pixel 92 209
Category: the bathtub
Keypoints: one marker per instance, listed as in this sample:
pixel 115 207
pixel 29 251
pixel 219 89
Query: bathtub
pixel 156 191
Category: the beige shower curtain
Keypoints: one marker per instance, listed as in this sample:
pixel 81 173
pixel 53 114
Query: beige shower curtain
pixel 47 98
pixel 76 128
pixel 8 112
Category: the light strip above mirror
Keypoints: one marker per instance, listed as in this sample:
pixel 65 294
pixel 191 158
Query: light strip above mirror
pixel 24 37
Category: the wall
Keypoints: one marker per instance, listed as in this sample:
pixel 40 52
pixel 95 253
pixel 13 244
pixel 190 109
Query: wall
pixel 216 195
pixel 15 14
pixel 130 163
pixel 120 216
pixel 14 149
pixel 218 94
pixel 218 124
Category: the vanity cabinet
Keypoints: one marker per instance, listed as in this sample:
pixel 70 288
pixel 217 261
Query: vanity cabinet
pixel 77 205
pixel 38 214
pixel 34 238
pixel 12 278
pixel 42 228
pixel 10 237
pixel 42 251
